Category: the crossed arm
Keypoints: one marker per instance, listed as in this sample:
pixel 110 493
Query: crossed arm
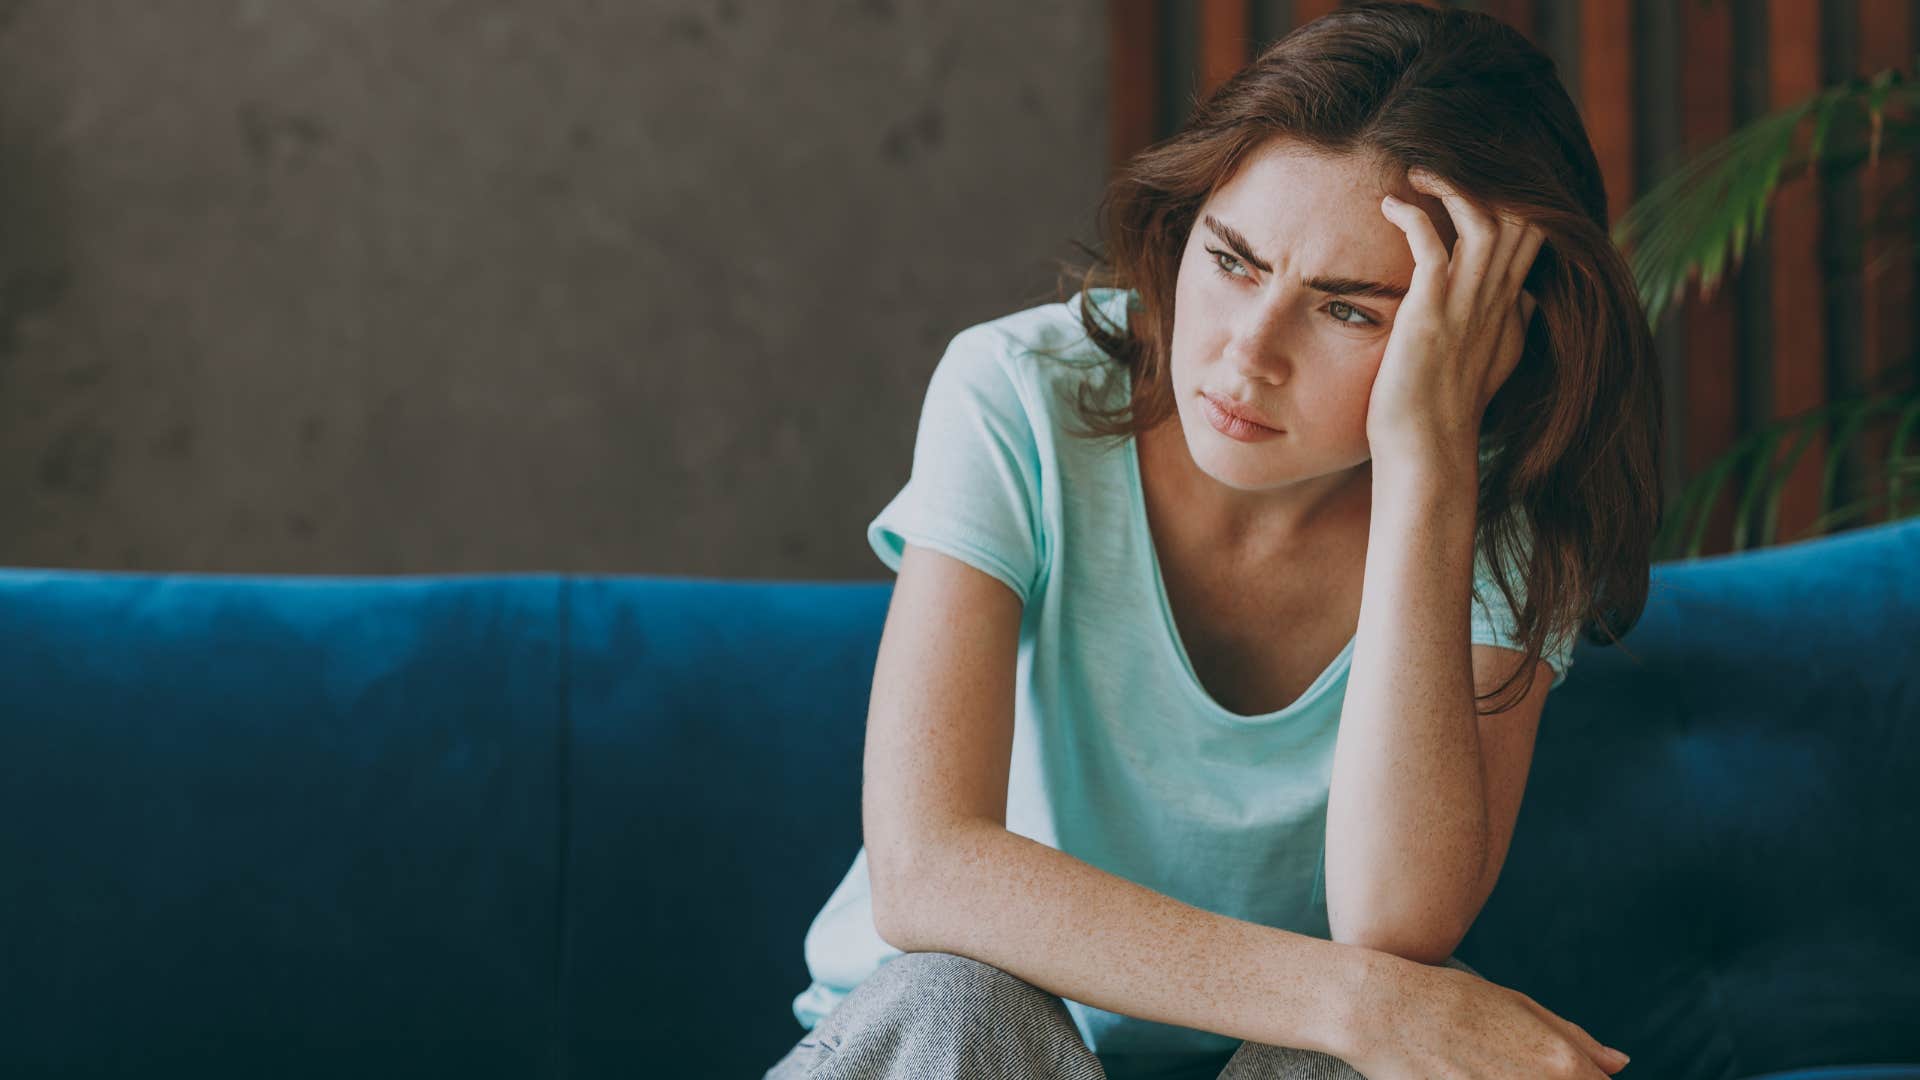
pixel 1424 794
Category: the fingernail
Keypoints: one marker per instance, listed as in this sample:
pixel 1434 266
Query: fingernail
pixel 1622 1054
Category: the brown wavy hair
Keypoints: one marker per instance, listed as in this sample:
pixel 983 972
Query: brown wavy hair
pixel 1570 443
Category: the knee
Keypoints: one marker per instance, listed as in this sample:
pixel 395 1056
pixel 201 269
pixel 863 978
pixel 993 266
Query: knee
pixel 958 993
pixel 958 1012
pixel 1259 1061
pixel 961 981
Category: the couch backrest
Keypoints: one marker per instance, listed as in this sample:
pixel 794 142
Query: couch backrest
pixel 280 826
pixel 543 825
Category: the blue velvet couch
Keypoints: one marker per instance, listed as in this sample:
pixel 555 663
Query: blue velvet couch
pixel 576 826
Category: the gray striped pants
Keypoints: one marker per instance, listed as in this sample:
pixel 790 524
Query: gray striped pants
pixel 939 1016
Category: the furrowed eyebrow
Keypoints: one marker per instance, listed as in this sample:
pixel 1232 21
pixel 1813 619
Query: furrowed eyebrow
pixel 1337 286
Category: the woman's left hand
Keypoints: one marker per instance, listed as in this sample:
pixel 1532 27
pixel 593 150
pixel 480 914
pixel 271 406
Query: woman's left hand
pixel 1458 333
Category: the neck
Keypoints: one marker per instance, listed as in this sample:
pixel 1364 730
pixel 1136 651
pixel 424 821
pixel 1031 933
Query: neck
pixel 1270 521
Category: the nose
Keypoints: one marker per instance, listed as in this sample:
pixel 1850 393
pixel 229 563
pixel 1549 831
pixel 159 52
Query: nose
pixel 1260 347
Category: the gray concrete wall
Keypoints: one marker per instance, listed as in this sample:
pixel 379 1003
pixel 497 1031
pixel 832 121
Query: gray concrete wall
pixel 384 286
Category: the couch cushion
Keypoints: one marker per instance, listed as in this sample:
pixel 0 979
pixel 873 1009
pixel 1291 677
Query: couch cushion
pixel 717 730
pixel 1713 864
pixel 278 826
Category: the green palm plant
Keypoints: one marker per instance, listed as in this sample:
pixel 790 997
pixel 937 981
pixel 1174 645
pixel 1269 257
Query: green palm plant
pixel 1698 222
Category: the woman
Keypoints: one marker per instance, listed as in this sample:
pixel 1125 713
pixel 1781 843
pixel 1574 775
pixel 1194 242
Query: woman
pixel 1176 763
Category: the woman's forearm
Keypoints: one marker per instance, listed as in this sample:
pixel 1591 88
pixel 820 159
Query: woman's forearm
pixel 1406 816
pixel 1075 930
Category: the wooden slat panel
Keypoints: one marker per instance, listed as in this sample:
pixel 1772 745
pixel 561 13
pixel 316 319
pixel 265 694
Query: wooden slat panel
pixel 1305 11
pixel 1522 15
pixel 1710 335
pixel 1798 303
pixel 1886 40
pixel 1134 70
pixel 1270 22
pixel 1226 28
pixel 1606 96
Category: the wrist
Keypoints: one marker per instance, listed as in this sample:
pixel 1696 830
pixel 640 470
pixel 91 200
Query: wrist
pixel 1362 989
pixel 1427 463
pixel 1424 440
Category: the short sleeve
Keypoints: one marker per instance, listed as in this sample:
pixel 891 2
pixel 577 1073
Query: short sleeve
pixel 1494 623
pixel 974 489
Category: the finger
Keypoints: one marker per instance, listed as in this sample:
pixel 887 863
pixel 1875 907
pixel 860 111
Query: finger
pixel 1506 248
pixel 1516 244
pixel 1429 254
pixel 1512 345
pixel 1603 1055
pixel 1527 248
pixel 1469 217
pixel 1479 232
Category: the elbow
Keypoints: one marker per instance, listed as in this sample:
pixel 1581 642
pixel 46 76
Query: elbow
pixel 1428 950
pixel 890 912
pixel 899 907
pixel 1408 937
pixel 1427 930
pixel 910 884
pixel 1421 949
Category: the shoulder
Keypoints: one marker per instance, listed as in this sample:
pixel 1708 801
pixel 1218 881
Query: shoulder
pixel 1039 358
pixel 1055 329
pixel 988 468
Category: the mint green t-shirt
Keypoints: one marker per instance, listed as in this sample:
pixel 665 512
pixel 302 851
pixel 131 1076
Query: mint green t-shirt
pixel 1121 758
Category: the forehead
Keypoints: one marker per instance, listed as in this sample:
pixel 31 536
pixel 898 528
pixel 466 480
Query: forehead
pixel 1285 160
pixel 1294 202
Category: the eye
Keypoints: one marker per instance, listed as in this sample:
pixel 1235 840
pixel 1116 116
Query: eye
pixel 1365 320
pixel 1221 270
pixel 1361 317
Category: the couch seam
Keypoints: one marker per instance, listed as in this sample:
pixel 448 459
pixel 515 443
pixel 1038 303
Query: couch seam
pixel 563 822
pixel 1710 925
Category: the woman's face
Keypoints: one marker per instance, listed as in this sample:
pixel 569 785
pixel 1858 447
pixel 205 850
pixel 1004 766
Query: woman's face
pixel 1276 310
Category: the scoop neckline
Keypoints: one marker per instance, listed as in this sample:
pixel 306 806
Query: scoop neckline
pixel 1172 644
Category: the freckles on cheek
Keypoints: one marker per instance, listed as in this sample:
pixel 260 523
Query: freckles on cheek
pixel 1350 400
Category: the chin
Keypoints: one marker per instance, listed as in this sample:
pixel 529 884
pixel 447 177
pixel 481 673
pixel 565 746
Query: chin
pixel 1247 466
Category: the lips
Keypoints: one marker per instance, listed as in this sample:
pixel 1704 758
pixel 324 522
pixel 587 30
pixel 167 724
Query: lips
pixel 1240 412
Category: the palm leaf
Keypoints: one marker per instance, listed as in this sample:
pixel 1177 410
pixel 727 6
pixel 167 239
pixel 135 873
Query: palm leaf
pixel 1859 507
pixel 1765 472
pixel 1853 418
pixel 1897 452
pixel 1700 218
pixel 1698 222
pixel 1758 472
pixel 1770 516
